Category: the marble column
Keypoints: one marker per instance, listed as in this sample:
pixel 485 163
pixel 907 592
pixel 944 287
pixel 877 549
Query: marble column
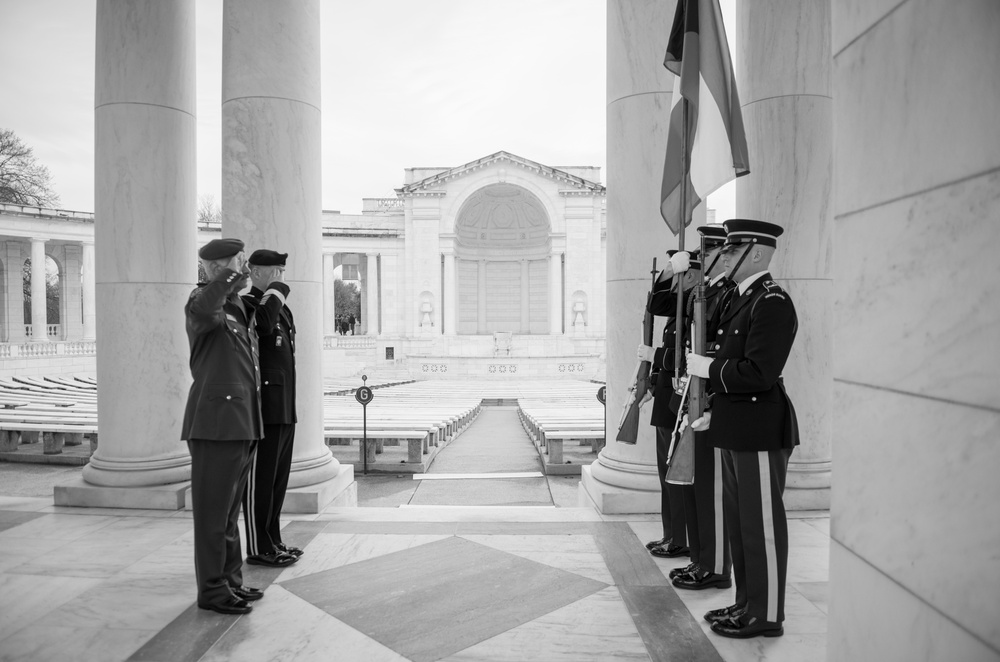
pixel 371 296
pixel 525 299
pixel 450 297
pixel 785 84
pixel 89 314
pixel 481 299
pixel 39 321
pixel 13 260
pixel 145 252
pixel 623 479
pixel 555 294
pixel 271 198
pixel 329 296
pixel 914 522
pixel 71 281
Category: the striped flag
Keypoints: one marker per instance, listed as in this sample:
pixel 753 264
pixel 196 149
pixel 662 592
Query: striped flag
pixel 716 143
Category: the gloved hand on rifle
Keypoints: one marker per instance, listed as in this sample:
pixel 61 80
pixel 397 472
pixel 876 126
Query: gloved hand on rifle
pixel 646 353
pixel 697 364
pixel 679 263
pixel 702 424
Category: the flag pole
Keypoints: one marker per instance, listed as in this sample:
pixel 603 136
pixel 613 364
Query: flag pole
pixel 679 317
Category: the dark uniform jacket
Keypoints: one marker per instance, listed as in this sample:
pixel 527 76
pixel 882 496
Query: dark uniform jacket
pixel 276 329
pixel 665 400
pixel 750 410
pixel 224 400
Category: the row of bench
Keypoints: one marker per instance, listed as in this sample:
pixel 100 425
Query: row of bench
pixel 58 411
pixel 551 422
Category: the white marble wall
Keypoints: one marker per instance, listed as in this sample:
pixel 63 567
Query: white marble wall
pixel 89 301
pixel 784 78
pixel 145 240
pixel 915 522
pixel 271 181
pixel 72 292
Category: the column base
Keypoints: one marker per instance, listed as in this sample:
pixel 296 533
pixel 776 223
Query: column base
pixel 807 486
pixel 340 491
pixel 153 497
pixel 611 499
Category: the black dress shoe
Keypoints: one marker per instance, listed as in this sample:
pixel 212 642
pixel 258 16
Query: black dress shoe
pixel 686 570
pixel 248 593
pixel 726 612
pixel 745 627
pixel 669 551
pixel 273 559
pixel 294 551
pixel 231 605
pixel 701 579
pixel 657 543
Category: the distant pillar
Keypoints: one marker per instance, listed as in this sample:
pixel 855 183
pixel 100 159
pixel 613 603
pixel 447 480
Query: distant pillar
pixel 89 315
pixel 72 293
pixel 39 329
pixel 271 192
pixel 555 294
pixel 371 308
pixel 144 142
pixel 624 479
pixel 525 300
pixel 450 298
pixel 788 111
pixel 329 296
pixel 13 260
pixel 481 311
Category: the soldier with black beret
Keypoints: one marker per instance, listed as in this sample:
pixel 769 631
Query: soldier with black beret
pixel 221 423
pixel 272 463
pixel 753 422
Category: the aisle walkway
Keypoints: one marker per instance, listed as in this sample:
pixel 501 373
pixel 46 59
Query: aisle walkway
pixel 494 444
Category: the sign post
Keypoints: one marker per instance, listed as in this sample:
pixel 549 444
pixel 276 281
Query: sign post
pixel 364 395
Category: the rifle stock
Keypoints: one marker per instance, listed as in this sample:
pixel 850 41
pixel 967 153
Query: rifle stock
pixel 628 426
pixel 680 462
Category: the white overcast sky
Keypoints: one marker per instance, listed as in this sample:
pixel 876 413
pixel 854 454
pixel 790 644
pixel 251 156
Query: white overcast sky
pixel 405 84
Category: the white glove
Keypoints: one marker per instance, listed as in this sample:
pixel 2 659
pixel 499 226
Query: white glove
pixel 646 353
pixel 702 423
pixel 697 365
pixel 680 262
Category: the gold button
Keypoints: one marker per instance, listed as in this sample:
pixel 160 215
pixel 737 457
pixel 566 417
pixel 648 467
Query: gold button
pixel 266 383
pixel 720 332
pixel 736 331
pixel 753 399
pixel 717 346
pixel 229 397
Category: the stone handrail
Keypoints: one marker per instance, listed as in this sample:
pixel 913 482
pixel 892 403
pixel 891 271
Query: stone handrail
pixel 348 342
pixel 31 350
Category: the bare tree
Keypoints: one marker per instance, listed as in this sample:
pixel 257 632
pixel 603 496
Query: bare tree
pixel 208 211
pixel 23 180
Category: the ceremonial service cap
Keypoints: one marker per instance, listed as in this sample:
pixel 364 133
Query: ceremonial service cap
pixel 220 249
pixel 715 235
pixel 746 231
pixel 267 258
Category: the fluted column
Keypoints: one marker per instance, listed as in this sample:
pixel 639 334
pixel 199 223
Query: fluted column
pixel 555 294
pixel 39 330
pixel 371 296
pixel 271 186
pixel 450 297
pixel 145 250
pixel 624 479
pixel 785 83
pixel 329 296
pixel 89 314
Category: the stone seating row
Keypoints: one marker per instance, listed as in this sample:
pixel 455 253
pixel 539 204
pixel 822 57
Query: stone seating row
pixel 550 425
pixel 55 411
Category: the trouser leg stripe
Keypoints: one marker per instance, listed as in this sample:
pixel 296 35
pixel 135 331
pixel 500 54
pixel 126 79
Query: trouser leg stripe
pixel 720 541
pixel 767 514
pixel 250 509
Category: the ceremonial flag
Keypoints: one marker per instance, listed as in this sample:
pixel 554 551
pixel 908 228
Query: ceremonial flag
pixel 706 142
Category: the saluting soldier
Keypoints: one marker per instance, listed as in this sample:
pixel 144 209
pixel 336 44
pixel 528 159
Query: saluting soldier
pixel 268 482
pixel 753 422
pixel 684 269
pixel 710 558
pixel 221 423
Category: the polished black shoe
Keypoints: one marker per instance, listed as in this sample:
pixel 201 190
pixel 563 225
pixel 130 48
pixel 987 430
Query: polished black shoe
pixel 273 559
pixel 745 627
pixel 701 579
pixel 686 570
pixel 657 543
pixel 294 551
pixel 248 593
pixel 726 612
pixel 669 551
pixel 231 605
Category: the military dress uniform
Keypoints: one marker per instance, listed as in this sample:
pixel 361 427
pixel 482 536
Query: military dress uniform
pixel 753 424
pixel 222 422
pixel 272 463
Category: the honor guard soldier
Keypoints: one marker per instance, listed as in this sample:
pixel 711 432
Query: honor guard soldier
pixel 272 463
pixel 710 559
pixel 683 269
pixel 221 423
pixel 753 422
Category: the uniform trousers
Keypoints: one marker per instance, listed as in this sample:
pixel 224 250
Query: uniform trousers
pixel 753 483
pixel 219 472
pixel 706 526
pixel 671 496
pixel 266 487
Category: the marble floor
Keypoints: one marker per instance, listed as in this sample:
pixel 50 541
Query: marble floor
pixel 411 583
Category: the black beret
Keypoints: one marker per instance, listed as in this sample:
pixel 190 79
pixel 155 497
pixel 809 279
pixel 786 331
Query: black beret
pixel 219 249
pixel 266 258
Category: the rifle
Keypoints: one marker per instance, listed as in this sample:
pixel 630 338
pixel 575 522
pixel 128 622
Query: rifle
pixel 628 426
